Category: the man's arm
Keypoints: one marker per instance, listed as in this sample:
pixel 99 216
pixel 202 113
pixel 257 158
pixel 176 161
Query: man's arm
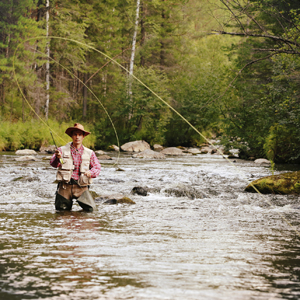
pixel 95 166
pixel 54 162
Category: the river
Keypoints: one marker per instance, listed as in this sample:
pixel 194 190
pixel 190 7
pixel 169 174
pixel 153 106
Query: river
pixel 197 235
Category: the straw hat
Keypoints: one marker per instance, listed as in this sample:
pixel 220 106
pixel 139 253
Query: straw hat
pixel 76 126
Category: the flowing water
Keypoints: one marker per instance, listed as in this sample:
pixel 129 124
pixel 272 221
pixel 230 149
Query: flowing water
pixel 197 235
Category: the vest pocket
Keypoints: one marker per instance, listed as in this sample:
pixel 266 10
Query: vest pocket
pixel 64 175
pixel 84 180
pixel 67 164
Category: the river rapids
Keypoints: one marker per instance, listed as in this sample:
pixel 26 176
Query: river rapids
pixel 196 235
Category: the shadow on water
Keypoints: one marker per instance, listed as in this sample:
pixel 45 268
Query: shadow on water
pixel 50 261
pixel 283 264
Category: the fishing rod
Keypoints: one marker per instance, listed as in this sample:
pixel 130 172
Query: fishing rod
pixel 60 159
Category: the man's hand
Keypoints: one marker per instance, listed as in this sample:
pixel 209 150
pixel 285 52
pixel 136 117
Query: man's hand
pixel 88 174
pixel 58 154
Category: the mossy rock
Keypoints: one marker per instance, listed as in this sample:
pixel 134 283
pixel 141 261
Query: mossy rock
pixel 284 184
pixel 94 194
pixel 126 200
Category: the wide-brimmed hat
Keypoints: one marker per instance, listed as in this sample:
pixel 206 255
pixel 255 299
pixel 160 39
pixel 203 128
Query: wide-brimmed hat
pixel 76 126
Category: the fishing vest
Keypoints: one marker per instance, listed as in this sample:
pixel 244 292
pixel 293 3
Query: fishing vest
pixel 65 171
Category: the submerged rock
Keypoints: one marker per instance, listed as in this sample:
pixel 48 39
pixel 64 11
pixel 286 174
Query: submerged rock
pixel 139 191
pixel 184 191
pixel 136 146
pixel 114 199
pixel 25 152
pixel 26 158
pixel 286 183
pixel 150 154
pixel 104 157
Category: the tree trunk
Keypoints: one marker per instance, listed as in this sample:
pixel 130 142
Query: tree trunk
pixel 47 63
pixel 143 33
pixel 84 102
pixel 133 53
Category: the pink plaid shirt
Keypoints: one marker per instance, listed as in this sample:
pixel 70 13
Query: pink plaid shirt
pixel 95 166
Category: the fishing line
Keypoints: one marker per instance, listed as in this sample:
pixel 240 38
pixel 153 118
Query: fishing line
pixel 72 74
pixel 168 105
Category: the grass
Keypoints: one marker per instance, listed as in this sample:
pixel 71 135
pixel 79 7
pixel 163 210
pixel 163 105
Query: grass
pixel 34 134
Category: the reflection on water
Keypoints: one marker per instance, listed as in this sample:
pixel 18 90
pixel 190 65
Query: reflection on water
pixel 225 244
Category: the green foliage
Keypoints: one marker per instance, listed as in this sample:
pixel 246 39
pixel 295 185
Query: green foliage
pixel 33 135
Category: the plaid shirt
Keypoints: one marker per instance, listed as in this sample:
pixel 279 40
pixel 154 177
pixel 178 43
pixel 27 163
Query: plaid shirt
pixel 95 166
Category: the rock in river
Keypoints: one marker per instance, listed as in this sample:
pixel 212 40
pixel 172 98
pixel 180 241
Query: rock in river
pixel 139 191
pixel 158 147
pixel 136 146
pixel 172 151
pixel 286 183
pixel 262 161
pixel 150 154
pixel 104 157
pixel 25 152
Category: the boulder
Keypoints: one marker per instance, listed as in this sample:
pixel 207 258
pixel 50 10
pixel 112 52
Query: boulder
pixel 114 148
pixel 136 146
pixel 262 161
pixel 206 149
pixel 104 157
pixel 158 147
pixel 48 149
pixel 149 154
pixel 114 199
pixel 194 151
pixel 138 190
pixel 172 151
pixel 25 152
pixel 286 183
pixel 26 158
pixel 99 152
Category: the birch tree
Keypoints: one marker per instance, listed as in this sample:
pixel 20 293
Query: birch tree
pixel 133 53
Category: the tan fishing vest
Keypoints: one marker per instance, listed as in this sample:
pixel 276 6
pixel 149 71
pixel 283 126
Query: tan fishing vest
pixel 65 171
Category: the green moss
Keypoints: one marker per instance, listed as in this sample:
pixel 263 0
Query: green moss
pixel 286 183
pixel 94 194
pixel 126 200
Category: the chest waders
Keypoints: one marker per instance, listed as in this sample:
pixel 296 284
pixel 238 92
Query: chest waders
pixel 67 183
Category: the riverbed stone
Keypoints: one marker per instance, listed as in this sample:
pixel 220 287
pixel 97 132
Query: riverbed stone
pixel 149 154
pixel 284 184
pixel 114 199
pixel 26 152
pixel 114 148
pixel 262 161
pixel 100 152
pixel 104 157
pixel 48 149
pixel 172 151
pixel 194 151
pixel 26 158
pixel 205 150
pixel 158 147
pixel 138 190
pixel 184 191
pixel 136 146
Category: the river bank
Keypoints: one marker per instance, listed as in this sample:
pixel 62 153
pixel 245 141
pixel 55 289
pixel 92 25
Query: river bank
pixel 223 244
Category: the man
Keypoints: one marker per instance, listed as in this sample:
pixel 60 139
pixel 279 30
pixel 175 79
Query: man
pixel 77 165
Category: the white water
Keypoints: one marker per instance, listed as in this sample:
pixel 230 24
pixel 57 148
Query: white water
pixel 224 244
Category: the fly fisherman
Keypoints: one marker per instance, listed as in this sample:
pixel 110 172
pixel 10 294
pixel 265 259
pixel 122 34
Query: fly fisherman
pixel 77 165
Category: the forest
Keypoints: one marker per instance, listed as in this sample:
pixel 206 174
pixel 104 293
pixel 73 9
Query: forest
pixel 230 67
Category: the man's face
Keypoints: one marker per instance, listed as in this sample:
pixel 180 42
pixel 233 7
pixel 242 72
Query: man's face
pixel 77 137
